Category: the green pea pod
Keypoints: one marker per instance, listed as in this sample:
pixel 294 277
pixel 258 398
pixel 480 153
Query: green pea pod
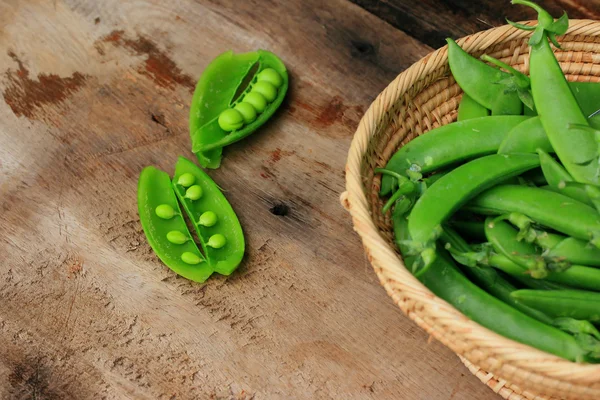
pixel 550 209
pixel 214 219
pixel 503 238
pixel 165 227
pixel 219 115
pixel 446 282
pixel 557 106
pixel 482 82
pixel 526 137
pixel 576 304
pixel 450 144
pixel 469 109
pixel 459 186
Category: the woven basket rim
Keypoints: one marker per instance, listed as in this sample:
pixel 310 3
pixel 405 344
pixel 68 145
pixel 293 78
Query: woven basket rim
pixel 525 359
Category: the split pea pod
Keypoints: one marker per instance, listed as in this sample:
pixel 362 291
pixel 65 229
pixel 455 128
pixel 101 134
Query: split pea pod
pixel 236 94
pixel 165 227
pixel 550 209
pixel 459 186
pixel 450 144
pixel 214 219
pixel 577 304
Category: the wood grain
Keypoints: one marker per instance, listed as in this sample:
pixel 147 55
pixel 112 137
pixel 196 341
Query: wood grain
pixel 94 91
pixel 432 21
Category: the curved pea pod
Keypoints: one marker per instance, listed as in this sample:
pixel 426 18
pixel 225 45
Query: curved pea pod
pixel 550 209
pixel 482 82
pixel 226 109
pixel 504 239
pixel 165 227
pixel 214 219
pixel 576 304
pixel 450 144
pixel 460 185
pixel 469 109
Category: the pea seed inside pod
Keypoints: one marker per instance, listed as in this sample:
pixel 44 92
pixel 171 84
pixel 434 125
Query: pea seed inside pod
pixel 165 211
pixel 257 100
pixel 271 76
pixel 191 258
pixel 230 120
pixel 247 110
pixel 193 192
pixel 208 219
pixel 216 241
pixel 177 237
pixel 186 179
pixel 266 89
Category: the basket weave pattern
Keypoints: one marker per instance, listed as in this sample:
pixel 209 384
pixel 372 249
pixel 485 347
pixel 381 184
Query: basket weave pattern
pixel 421 98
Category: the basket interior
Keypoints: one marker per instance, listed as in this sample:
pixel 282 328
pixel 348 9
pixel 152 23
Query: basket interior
pixel 433 101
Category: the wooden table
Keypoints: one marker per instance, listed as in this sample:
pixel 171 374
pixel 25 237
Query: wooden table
pixel 93 92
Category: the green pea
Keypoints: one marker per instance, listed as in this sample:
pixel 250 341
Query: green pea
pixel 257 100
pixel 165 211
pixel 266 89
pixel 271 76
pixel 177 237
pixel 193 192
pixel 230 120
pixel 247 110
pixel 191 258
pixel 186 179
pixel 208 218
pixel 216 241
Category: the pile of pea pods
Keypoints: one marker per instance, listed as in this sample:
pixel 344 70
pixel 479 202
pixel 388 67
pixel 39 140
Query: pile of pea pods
pixel 498 213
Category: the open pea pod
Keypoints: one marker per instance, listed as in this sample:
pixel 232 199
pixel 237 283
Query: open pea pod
pixel 216 223
pixel 165 227
pixel 236 94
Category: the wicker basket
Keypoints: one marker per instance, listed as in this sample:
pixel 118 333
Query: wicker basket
pixel 421 98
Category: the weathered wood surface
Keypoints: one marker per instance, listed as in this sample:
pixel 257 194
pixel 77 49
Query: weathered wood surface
pixel 432 21
pixel 94 91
